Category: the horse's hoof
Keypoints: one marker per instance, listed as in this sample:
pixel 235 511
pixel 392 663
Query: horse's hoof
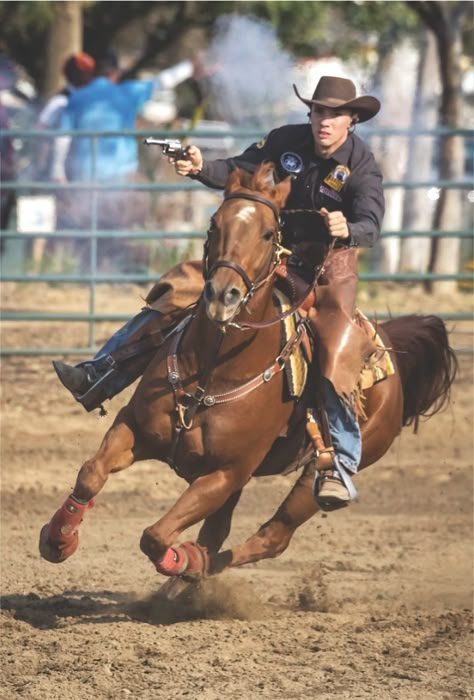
pixel 53 551
pixel 197 560
pixel 188 560
pixel 175 587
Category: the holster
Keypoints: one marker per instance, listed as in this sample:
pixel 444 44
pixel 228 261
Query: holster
pixel 342 346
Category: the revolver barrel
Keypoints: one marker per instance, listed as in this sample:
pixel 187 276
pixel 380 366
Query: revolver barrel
pixel 170 147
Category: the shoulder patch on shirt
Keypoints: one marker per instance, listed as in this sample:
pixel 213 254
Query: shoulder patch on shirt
pixel 337 177
pixel 292 163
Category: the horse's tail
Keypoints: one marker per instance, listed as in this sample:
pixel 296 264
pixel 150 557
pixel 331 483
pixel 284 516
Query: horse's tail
pixel 426 362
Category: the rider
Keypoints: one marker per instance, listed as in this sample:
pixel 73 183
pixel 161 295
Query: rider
pixel 337 190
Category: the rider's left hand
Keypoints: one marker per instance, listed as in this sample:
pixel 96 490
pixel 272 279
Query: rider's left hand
pixel 336 223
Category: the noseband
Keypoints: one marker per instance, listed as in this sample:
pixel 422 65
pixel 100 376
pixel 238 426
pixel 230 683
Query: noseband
pixel 251 286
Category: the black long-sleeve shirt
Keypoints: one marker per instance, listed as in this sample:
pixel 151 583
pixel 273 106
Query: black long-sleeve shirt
pixel 348 181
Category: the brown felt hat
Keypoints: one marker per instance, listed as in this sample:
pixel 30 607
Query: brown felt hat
pixel 340 92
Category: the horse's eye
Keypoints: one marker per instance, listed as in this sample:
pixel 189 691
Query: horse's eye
pixel 212 226
pixel 268 235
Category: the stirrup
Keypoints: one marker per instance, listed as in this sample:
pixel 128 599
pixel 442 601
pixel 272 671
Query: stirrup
pixel 94 397
pixel 330 492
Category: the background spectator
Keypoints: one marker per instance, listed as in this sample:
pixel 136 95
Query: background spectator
pixel 78 70
pixel 107 104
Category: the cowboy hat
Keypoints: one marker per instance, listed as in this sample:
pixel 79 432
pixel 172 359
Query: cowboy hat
pixel 341 93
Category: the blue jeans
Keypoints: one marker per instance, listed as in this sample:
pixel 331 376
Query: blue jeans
pixel 114 382
pixel 345 436
pixel 344 429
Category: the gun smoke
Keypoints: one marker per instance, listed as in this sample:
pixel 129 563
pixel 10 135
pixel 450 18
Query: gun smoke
pixel 254 77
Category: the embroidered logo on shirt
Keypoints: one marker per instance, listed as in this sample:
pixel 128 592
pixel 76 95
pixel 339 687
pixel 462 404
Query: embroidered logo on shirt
pixel 337 177
pixel 261 143
pixel 292 163
pixel 330 193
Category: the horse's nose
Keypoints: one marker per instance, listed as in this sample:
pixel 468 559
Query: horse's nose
pixel 232 296
pixel 209 292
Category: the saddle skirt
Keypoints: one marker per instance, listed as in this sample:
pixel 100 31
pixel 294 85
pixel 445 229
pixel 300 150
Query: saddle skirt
pixel 379 365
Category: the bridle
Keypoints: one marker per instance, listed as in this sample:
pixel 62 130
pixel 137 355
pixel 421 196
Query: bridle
pixel 268 268
pixel 188 404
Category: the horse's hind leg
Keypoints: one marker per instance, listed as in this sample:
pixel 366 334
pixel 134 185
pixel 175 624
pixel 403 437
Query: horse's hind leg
pixel 274 536
pixel 59 538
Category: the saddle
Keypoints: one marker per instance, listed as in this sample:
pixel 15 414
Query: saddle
pixel 376 367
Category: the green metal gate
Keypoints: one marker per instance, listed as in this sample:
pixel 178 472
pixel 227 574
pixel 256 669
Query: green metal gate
pixel 93 277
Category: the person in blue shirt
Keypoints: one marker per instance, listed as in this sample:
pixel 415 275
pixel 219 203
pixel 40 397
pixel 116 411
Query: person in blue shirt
pixel 106 104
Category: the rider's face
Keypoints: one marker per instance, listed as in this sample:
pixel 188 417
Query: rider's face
pixel 330 128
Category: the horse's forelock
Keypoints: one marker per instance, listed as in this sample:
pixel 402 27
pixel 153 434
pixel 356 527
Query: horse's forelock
pixel 262 181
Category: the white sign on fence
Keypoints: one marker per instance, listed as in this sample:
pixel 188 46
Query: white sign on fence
pixel 36 214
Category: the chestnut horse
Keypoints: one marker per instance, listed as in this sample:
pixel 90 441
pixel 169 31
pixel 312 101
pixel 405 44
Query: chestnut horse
pixel 213 402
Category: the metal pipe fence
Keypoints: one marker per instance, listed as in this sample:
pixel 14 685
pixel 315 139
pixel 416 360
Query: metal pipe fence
pixel 94 234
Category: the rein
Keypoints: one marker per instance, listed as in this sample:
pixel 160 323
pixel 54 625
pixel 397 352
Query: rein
pixel 279 250
pixel 296 305
pixel 188 404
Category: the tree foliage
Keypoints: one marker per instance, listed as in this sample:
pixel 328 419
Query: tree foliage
pixel 304 28
pixel 24 26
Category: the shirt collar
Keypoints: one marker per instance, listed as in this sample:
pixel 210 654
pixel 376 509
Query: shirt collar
pixel 342 154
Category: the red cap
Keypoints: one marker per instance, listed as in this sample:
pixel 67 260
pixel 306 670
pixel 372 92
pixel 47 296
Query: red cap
pixel 79 69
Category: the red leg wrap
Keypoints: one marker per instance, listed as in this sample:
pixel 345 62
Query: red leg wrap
pixel 59 538
pixel 187 559
pixel 173 563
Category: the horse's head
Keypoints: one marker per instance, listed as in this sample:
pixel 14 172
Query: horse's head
pixel 243 240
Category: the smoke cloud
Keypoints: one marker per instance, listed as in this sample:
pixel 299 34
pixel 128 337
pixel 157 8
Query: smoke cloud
pixel 253 82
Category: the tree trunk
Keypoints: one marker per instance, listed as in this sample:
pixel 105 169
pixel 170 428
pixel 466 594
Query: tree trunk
pixel 419 208
pixel 445 258
pixel 392 151
pixel 65 38
pixel 445 20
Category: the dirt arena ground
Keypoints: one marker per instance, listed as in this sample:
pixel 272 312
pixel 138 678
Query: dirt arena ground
pixel 371 602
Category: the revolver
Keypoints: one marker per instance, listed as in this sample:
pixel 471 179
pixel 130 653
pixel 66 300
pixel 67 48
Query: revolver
pixel 171 147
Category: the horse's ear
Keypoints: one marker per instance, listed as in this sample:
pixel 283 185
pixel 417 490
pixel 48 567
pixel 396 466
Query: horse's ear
pixel 283 190
pixel 264 177
pixel 234 181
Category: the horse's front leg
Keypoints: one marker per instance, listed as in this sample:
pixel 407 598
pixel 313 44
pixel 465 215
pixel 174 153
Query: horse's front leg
pixel 212 497
pixel 216 529
pixel 274 536
pixel 59 538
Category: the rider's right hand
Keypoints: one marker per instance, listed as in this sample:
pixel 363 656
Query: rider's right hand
pixel 192 165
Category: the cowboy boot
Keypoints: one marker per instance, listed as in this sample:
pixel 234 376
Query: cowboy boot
pixel 331 493
pixel 90 384
pixel 119 363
